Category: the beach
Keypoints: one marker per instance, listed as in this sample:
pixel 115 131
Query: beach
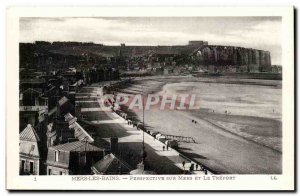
pixel 238 129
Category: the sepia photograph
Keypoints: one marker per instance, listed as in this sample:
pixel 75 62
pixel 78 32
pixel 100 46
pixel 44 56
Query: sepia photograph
pixel 151 98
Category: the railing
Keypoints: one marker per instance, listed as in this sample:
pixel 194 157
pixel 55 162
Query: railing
pixel 181 138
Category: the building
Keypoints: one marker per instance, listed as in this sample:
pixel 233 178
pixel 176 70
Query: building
pixel 253 68
pixel 52 137
pixel 276 69
pixel 140 170
pixel 111 165
pixel 74 158
pixel 166 71
pixel 78 131
pixel 64 106
pixel 29 150
pixel 198 43
pixel 29 97
pixel 58 130
pixel 31 108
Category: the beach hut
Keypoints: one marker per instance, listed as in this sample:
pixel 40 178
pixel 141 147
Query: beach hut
pixel 172 143
pixel 162 139
pixel 154 134
pixel 157 135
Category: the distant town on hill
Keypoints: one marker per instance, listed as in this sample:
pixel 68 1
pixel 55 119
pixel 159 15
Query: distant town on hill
pixel 194 57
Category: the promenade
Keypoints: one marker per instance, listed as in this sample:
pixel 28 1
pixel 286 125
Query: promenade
pixel 108 123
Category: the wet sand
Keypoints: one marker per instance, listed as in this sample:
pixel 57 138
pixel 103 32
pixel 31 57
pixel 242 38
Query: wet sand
pixel 216 147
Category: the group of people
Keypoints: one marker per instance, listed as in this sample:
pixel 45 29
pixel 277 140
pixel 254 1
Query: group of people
pixel 197 167
pixel 227 112
pixel 165 147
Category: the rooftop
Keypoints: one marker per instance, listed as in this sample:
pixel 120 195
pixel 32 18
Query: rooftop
pixel 32 91
pixel 111 164
pixel 62 101
pixel 29 134
pixel 77 146
pixel 80 133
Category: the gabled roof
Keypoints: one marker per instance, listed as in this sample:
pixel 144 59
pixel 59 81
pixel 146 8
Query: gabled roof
pixel 77 146
pixel 110 164
pixel 29 134
pixel 35 90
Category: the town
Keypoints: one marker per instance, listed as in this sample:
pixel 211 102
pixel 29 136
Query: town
pixel 66 127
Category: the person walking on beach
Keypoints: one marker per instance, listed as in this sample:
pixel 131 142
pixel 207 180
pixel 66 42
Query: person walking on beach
pixel 163 148
pixel 167 147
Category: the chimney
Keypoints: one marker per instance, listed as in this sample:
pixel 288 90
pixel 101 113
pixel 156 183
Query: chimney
pixel 114 145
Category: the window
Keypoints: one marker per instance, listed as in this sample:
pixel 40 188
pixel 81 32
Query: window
pixel 56 156
pixel 82 158
pixel 23 165
pixel 31 167
pixel 31 149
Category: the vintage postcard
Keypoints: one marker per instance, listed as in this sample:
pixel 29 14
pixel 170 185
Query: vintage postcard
pixel 150 98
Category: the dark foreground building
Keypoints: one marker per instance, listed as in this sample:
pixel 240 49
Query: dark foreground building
pixel 111 165
pixel 30 152
pixel 73 158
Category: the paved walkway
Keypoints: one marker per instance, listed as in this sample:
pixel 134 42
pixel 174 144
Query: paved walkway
pixel 137 135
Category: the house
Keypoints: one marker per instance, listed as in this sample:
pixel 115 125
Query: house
pixel 111 165
pixel 74 158
pixel 32 111
pixel 166 71
pixel 52 137
pixel 29 97
pixel 30 163
pixel 253 68
pixel 276 69
pixel 242 68
pixel 64 106
pixel 65 130
pixel 58 130
pixel 78 130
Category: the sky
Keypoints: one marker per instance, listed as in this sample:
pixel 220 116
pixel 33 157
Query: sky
pixel 262 33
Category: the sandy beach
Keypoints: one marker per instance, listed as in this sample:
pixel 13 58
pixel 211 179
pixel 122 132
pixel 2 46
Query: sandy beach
pixel 244 140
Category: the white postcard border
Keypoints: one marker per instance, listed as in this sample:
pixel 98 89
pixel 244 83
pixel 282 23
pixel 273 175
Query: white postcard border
pixel 241 182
